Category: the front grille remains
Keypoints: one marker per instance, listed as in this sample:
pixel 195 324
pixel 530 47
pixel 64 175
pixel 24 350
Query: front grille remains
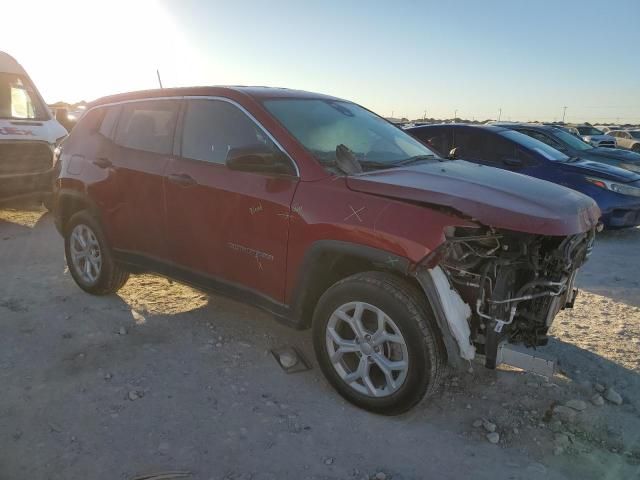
pixel 24 157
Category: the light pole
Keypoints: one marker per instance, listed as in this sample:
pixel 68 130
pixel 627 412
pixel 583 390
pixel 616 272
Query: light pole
pixel 499 113
pixel 455 115
pixel 564 112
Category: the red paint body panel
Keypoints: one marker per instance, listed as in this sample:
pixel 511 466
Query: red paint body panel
pixel 232 225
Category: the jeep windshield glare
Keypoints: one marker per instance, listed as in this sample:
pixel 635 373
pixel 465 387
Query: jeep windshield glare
pixel 322 126
pixel 18 99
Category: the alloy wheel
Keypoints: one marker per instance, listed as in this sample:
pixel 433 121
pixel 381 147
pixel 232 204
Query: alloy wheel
pixel 85 253
pixel 367 349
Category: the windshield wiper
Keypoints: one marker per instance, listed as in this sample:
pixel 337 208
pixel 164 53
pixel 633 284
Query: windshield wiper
pixel 414 159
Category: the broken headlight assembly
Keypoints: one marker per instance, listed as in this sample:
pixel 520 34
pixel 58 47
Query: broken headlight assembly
pixel 514 282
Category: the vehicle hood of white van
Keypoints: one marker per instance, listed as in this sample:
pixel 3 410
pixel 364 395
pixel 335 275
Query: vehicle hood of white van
pixel 44 131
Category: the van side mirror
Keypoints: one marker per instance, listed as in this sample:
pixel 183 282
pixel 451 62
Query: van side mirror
pixel 259 159
pixel 453 153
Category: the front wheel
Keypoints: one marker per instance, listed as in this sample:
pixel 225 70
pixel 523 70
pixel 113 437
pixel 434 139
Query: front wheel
pixel 376 342
pixel 89 257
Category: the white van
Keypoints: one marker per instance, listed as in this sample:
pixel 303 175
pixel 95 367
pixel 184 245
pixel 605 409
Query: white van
pixel 28 135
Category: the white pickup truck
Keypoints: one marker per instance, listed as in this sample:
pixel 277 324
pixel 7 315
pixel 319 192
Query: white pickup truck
pixel 28 135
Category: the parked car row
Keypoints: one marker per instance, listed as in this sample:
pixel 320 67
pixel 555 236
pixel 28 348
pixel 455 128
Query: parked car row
pixel 609 176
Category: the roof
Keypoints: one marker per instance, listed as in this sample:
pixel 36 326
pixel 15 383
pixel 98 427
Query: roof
pixel 8 64
pixel 256 92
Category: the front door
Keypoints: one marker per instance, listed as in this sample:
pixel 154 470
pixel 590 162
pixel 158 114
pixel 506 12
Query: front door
pixel 229 225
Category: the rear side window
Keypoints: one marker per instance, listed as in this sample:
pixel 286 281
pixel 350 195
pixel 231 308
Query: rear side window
pixel 148 126
pixel 108 126
pixel 213 127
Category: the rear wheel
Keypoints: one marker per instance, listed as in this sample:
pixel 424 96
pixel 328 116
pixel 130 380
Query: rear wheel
pixel 89 257
pixel 376 342
pixel 636 148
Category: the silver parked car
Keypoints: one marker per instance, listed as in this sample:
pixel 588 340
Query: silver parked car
pixel 629 139
pixel 593 136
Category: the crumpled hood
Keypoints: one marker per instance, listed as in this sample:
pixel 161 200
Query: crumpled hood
pixel 491 196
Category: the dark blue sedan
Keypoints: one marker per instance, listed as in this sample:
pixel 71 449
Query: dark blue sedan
pixel 616 190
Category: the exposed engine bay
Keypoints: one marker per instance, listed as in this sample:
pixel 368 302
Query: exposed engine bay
pixel 515 283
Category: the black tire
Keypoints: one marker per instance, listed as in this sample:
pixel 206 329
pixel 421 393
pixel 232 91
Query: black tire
pixel 111 276
pixel 408 307
pixel 636 148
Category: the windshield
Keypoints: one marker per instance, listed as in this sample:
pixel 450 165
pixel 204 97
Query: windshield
pixel 537 146
pixel 589 131
pixel 323 125
pixel 571 140
pixel 18 99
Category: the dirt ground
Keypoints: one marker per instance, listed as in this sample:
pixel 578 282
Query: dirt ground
pixel 165 378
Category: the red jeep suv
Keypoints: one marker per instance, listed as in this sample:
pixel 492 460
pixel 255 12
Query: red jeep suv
pixel 328 216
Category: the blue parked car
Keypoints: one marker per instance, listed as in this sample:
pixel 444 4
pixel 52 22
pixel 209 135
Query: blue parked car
pixel 573 146
pixel 615 190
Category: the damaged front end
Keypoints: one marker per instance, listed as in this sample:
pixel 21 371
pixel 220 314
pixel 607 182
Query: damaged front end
pixel 492 287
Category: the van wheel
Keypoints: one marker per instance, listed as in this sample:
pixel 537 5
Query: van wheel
pixel 89 257
pixel 376 342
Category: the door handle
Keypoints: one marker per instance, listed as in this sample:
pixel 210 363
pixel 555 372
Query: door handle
pixel 103 162
pixel 182 179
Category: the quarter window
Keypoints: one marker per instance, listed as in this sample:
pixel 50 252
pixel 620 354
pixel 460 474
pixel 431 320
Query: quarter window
pixel 148 126
pixel 213 127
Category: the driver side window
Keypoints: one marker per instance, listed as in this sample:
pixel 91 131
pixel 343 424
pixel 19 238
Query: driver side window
pixel 213 127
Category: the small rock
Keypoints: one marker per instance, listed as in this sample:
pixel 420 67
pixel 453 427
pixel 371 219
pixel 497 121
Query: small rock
pixel 328 461
pixel 288 360
pixel 122 331
pixel 565 414
pixel 477 423
pixel 218 344
pixel 613 396
pixel 489 426
pixel 493 437
pixel 468 406
pixel 599 387
pixel 561 440
pixel 381 476
pixel 108 376
pixel 133 395
pixel 578 405
pixel 597 400
pixel 558 450
pixel 555 426
pixel 516 431
pixel 137 317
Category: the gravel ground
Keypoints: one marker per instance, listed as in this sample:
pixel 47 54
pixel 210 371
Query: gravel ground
pixel 165 378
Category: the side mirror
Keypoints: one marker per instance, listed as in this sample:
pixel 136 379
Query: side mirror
pixel 258 159
pixel 513 162
pixel 453 153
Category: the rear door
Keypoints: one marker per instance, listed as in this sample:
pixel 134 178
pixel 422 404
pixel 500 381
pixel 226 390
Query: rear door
pixel 144 144
pixel 226 224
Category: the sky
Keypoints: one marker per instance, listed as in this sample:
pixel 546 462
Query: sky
pixel 470 58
